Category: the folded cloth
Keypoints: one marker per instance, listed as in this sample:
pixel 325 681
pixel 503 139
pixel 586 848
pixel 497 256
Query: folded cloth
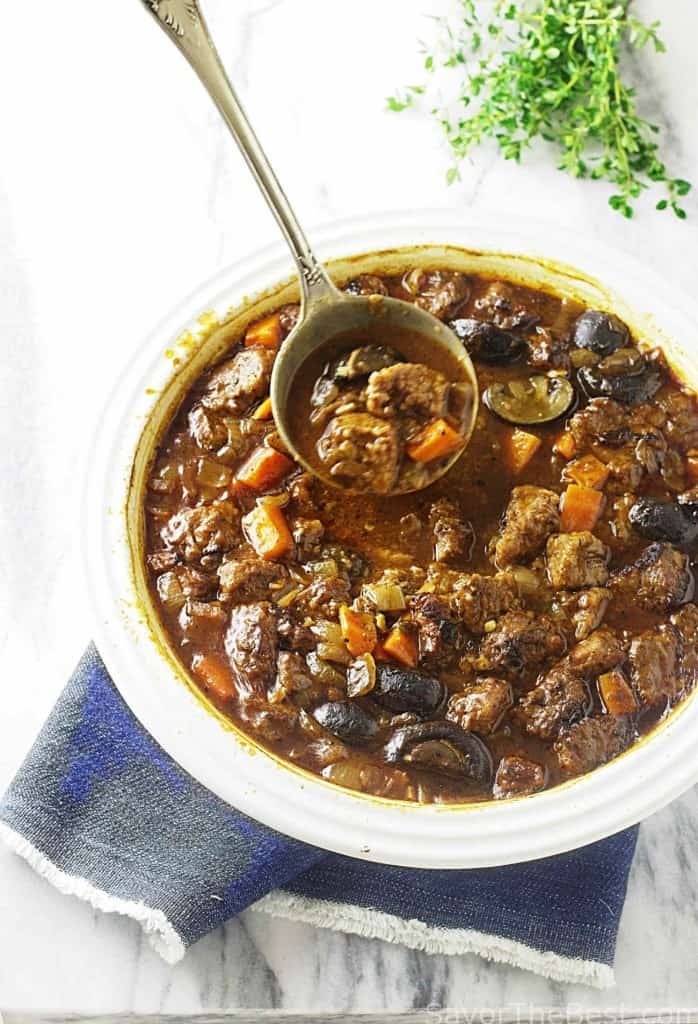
pixel 102 812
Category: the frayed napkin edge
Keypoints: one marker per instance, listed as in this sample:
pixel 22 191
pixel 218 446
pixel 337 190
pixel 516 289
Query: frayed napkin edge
pixel 363 921
pixel 376 924
pixel 158 930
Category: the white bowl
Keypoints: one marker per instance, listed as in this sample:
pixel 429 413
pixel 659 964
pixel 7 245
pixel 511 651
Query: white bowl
pixel 158 690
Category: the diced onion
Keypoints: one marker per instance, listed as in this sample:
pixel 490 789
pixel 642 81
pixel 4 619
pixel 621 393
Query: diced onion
pixel 526 580
pixel 329 631
pixel 323 672
pixel 170 591
pixel 386 597
pixel 168 471
pixel 334 652
pixel 361 676
pixel 212 474
pixel 287 598
pixel 345 773
pixel 325 567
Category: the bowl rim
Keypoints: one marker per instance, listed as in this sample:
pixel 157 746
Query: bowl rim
pixel 264 786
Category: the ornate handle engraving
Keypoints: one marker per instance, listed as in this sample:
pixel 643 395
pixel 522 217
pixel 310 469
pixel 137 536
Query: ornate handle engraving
pixel 175 14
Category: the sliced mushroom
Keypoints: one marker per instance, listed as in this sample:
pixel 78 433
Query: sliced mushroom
pixel 603 333
pixel 401 689
pixel 325 390
pixel 665 520
pixel 362 361
pixel 487 342
pixel 346 720
pixel 441 747
pixel 625 375
pixel 538 399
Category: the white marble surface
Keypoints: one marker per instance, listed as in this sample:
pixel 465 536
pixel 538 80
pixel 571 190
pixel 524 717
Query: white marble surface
pixel 118 192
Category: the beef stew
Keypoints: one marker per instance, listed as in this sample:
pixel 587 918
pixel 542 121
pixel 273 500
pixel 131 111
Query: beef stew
pixel 520 622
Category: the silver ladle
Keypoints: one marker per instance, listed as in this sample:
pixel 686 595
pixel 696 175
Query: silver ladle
pixel 326 312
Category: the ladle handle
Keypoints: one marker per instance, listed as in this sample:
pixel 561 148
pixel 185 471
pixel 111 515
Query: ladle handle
pixel 183 23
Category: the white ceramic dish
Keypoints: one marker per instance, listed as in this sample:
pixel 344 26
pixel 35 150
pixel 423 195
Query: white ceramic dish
pixel 155 686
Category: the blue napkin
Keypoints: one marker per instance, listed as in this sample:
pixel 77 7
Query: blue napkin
pixel 102 812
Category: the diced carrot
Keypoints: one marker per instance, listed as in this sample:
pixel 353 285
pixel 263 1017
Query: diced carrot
pixel 215 675
pixel 263 468
pixel 263 411
pixel 692 466
pixel 379 653
pixel 616 693
pixel 565 445
pixel 519 449
pixel 587 472
pixel 580 508
pixel 434 441
pixel 358 630
pixel 401 644
pixel 267 530
pixel 266 332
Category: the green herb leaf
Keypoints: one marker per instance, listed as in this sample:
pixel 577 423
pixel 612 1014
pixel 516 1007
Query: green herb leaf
pixel 550 69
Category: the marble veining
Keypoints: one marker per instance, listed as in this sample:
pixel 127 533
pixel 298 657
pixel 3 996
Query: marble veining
pixel 106 133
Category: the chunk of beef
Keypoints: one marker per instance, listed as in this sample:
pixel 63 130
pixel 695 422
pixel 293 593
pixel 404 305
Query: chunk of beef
pixel 183 582
pixel 628 441
pixel 586 609
pixel 407 389
pixel 161 561
pixel 207 429
pixel 591 743
pixel 686 624
pixel 477 599
pixel 325 596
pixel 547 350
pixel 440 292
pixel 501 306
pixel 307 533
pixel 682 419
pixel 654 665
pixel 195 532
pixel 453 534
pixel 576 560
pixel 560 698
pixel 362 449
pixel 241 381
pixel 198 619
pixel 271 722
pixel 660 579
pixel 289 316
pixel 482 706
pixel 251 643
pixel 598 653
pixel 292 673
pixel 673 470
pixel 300 495
pixel 520 641
pixel 247 579
pixel 439 634
pixel 531 516
pixel 517 776
pixel 295 637
pixel 366 284
pixel 650 449
pixel 623 466
pixel 602 420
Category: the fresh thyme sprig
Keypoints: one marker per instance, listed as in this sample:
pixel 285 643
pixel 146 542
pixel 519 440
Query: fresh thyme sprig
pixel 550 69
